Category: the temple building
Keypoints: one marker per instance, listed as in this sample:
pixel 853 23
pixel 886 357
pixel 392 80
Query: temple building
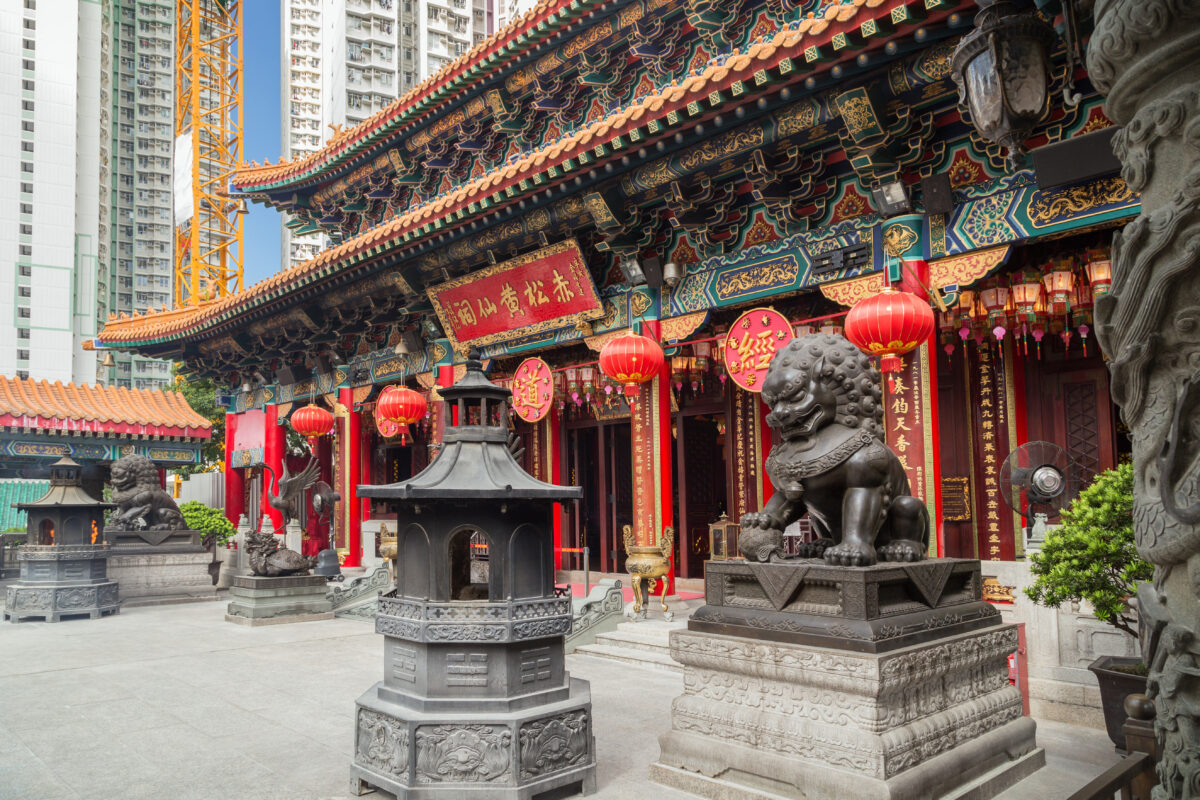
pixel 669 166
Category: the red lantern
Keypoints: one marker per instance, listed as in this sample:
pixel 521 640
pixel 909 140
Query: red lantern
pixel 995 301
pixel 312 422
pixel 631 360
pixel 1059 281
pixel 401 405
pixel 889 324
pixel 1099 271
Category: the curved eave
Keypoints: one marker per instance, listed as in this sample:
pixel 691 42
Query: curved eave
pixel 406 112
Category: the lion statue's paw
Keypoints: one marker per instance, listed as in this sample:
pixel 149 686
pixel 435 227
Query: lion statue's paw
pixel 814 549
pixel 850 554
pixel 902 550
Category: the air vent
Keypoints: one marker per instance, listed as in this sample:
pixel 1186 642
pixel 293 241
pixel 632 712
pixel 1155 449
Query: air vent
pixel 855 256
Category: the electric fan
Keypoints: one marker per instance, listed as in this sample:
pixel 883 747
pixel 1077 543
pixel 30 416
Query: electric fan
pixel 1038 480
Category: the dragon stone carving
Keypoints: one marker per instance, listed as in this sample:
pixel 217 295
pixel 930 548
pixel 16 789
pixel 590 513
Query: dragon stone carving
pixel 141 502
pixel 1143 56
pixel 832 462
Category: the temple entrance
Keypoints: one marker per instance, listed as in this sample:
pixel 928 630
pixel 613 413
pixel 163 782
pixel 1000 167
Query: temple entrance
pixel 701 482
pixel 600 459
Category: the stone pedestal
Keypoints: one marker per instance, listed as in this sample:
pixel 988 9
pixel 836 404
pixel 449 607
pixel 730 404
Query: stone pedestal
pixel 899 710
pixel 274 601
pixel 156 567
pixel 61 581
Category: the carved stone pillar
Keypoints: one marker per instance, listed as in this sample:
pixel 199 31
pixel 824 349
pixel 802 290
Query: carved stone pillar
pixel 1145 57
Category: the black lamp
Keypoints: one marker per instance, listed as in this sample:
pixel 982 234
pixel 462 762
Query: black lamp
pixel 1002 69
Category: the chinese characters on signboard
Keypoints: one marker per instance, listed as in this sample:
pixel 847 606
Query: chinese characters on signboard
pixel 540 291
pixel 989 408
pixel 751 344
pixel 533 390
pixel 905 410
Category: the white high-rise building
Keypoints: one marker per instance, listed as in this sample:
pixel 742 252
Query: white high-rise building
pixel 51 280
pixel 138 132
pixel 343 60
pixel 508 10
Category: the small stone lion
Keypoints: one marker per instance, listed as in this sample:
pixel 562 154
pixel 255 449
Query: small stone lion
pixel 141 502
pixel 832 462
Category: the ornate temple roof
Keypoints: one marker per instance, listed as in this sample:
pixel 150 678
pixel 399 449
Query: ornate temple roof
pixel 66 408
pixel 529 173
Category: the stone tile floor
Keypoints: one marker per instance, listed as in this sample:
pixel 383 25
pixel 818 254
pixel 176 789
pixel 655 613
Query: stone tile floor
pixel 172 702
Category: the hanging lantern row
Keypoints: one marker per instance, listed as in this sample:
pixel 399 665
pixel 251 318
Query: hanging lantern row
pixel 1031 303
pixel 888 325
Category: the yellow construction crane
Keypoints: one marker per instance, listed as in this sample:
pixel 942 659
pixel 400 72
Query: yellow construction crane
pixel 208 148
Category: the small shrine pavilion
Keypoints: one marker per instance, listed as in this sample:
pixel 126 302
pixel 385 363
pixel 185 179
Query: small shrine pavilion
pixel 668 166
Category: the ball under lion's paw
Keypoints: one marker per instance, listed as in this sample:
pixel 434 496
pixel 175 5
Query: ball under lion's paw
pixel 757 544
pixel 850 554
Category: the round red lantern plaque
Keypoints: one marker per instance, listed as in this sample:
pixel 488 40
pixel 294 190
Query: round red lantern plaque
pixel 751 344
pixel 533 389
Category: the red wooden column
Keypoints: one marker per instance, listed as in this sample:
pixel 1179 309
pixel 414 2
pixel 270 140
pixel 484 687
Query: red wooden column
pixel 651 430
pixel 910 406
pixel 235 481
pixel 274 444
pixel 351 463
pixel 549 440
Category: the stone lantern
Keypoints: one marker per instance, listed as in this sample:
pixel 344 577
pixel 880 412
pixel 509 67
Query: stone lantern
pixel 476 700
pixel 64 564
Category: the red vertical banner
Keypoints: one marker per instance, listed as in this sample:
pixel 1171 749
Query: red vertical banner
pixel 749 451
pixel 274 443
pixel 910 417
pixel 990 421
pixel 351 463
pixel 552 458
pixel 235 480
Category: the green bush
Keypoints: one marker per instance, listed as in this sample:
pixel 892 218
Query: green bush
pixel 1092 556
pixel 209 521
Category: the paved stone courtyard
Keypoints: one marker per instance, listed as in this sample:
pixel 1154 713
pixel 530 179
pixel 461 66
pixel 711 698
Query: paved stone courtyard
pixel 172 702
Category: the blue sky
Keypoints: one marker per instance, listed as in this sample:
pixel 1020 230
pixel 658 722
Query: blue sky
pixel 260 65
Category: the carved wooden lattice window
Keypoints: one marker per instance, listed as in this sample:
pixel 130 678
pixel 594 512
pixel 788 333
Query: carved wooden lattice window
pixel 1083 428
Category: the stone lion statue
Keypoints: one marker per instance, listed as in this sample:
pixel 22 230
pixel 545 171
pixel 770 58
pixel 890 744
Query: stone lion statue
pixel 141 502
pixel 832 462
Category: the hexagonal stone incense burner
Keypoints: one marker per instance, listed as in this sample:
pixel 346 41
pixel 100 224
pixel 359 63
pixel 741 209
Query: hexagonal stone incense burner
pixel 475 701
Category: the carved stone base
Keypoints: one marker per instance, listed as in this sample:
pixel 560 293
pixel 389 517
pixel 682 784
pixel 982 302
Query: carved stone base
pixel 513 755
pixel 870 609
pixel 261 601
pixel 150 577
pixel 178 541
pixel 763 719
pixel 61 581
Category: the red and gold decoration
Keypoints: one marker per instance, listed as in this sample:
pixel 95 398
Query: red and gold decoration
pixel 751 344
pixel 631 360
pixel 401 407
pixel 1059 281
pixel 533 390
pixel 540 291
pixel 312 422
pixel 888 325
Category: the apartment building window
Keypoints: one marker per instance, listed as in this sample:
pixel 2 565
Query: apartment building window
pixel 27 64
pixel 24 291
pixel 23 374
pixel 22 333
pixel 27 126
pixel 27 105
pixel 27 85
pixel 28 44
pixel 26 230
pixel 26 250
pixel 22 355
pixel 31 5
pixel 26 208
pixel 23 312
pixel 25 271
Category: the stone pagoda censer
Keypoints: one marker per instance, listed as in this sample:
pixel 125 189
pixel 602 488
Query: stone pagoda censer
pixel 64 566
pixel 476 700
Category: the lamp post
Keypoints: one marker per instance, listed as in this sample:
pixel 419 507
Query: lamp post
pixel 1002 70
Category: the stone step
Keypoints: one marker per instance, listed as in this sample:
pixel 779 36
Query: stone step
pixel 656 627
pixel 645 642
pixel 639 658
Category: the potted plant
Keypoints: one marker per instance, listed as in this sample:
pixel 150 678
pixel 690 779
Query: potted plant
pixel 1093 557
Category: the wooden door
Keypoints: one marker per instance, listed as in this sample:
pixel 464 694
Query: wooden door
pixel 1076 413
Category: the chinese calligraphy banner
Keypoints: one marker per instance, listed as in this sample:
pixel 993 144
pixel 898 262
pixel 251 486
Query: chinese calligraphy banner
pixel 910 422
pixel 989 409
pixel 751 344
pixel 540 291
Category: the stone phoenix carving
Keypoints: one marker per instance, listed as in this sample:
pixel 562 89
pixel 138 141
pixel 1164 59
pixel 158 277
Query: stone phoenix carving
pixel 141 502
pixel 1142 56
pixel 832 462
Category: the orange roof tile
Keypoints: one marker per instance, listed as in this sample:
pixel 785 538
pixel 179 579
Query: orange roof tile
pixel 25 402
